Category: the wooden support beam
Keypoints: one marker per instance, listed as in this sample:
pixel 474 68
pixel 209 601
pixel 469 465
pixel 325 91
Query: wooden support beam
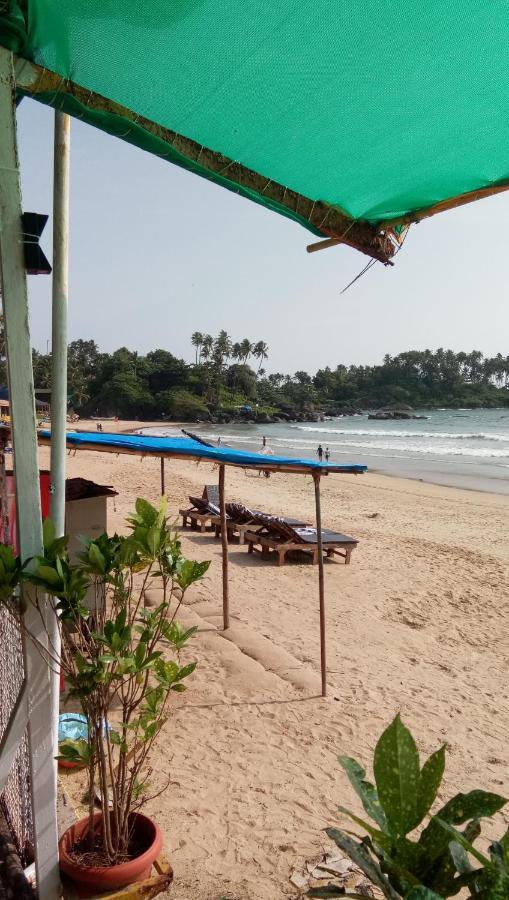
pixel 224 548
pixel 322 217
pixel 323 245
pixel 321 583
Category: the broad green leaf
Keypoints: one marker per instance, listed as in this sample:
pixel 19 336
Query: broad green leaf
pixel 360 856
pixel 397 771
pixel 384 840
pixel 504 843
pixel 328 890
pixel 498 856
pixel 161 515
pixel 146 512
pixel 459 809
pixel 460 838
pixel 460 858
pixel 472 830
pixel 420 892
pixel 139 654
pixel 474 805
pixel 366 791
pixel 121 620
pixel 48 533
pixel 186 670
pixel 49 575
pixel 492 884
pixel 154 540
pixel 96 558
pixel 429 782
pixel 190 571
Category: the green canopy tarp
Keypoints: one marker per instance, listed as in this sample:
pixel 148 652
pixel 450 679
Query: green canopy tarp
pixel 346 116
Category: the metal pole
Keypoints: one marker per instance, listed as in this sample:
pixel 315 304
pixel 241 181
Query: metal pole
pixel 162 477
pixel 28 500
pixel 321 584
pixel 60 293
pixel 61 158
pixel 224 547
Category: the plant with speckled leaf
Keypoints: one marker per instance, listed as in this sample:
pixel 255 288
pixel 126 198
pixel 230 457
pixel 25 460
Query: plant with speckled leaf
pixel 399 803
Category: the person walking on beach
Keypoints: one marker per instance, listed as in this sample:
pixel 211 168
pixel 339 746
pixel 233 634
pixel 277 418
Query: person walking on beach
pixel 327 454
pixel 319 452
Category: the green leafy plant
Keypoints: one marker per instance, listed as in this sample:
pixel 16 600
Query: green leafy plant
pixel 435 863
pixel 121 658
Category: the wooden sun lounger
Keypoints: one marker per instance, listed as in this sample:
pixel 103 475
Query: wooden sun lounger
pixel 203 510
pixel 233 529
pixel 198 521
pixel 241 520
pixel 279 537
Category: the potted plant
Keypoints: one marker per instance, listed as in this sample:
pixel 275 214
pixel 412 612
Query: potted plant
pixel 121 661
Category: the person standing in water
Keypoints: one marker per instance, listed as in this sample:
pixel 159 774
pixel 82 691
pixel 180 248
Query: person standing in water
pixel 327 454
pixel 319 452
pixel 264 441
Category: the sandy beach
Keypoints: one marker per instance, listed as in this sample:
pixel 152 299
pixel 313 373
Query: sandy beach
pixel 417 623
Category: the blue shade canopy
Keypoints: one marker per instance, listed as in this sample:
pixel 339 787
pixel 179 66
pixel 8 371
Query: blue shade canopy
pixel 187 448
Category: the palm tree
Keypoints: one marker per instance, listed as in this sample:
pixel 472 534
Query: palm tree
pixel 260 352
pixel 237 351
pixel 222 348
pixel 206 346
pixel 197 342
pixel 246 349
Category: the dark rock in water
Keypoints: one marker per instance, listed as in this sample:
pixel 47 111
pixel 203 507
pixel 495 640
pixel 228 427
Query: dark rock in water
pixel 345 411
pixel 395 414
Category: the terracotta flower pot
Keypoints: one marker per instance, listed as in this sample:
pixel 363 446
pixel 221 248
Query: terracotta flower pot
pixel 65 764
pixel 91 880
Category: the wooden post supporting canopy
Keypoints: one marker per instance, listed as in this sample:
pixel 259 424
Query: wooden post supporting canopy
pixel 162 477
pixel 37 686
pixel 224 547
pixel 321 584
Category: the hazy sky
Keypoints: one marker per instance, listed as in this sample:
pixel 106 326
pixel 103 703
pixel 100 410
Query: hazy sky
pixel 157 253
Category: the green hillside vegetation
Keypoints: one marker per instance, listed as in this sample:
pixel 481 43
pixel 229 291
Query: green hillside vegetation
pixel 228 380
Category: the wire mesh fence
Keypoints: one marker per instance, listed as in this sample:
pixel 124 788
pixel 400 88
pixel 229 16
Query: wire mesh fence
pixel 16 800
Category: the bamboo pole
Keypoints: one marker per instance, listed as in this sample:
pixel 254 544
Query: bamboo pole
pixel 224 547
pixel 162 477
pixel 321 583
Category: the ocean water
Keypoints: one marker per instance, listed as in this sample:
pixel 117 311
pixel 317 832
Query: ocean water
pixel 461 448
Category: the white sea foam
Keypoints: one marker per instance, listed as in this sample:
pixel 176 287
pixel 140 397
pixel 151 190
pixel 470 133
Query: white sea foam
pixel 385 432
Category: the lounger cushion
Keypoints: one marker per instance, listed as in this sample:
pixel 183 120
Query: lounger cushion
pixel 309 536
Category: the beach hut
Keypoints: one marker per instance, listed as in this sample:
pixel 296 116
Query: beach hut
pixel 301 130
